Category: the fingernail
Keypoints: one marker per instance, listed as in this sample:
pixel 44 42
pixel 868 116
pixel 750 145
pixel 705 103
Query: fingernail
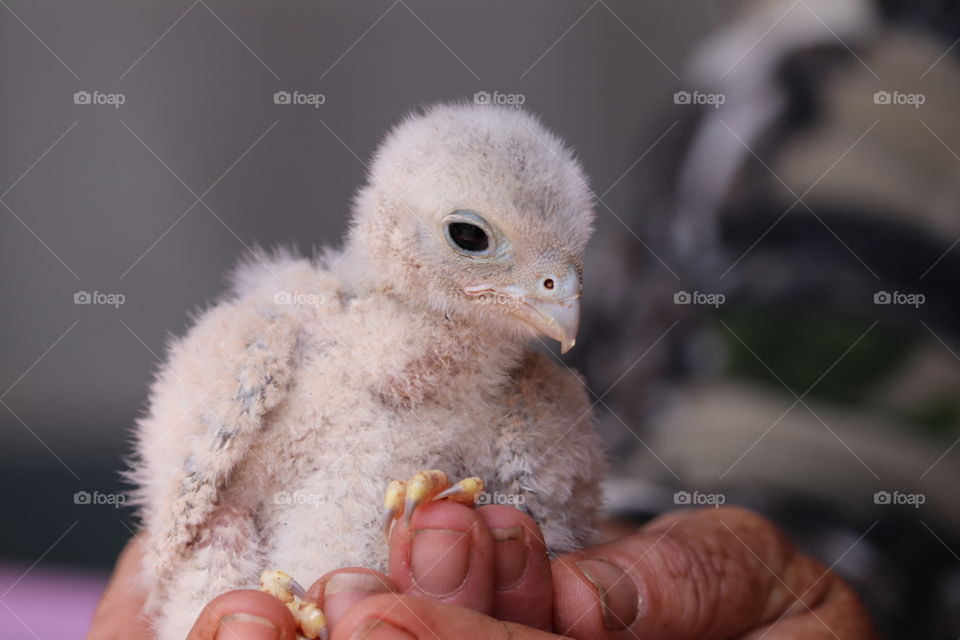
pixel 343 590
pixel 510 556
pixel 618 594
pixel 244 626
pixel 439 560
pixel 380 630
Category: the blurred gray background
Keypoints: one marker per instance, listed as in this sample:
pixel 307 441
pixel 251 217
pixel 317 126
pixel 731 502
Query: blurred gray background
pixel 801 198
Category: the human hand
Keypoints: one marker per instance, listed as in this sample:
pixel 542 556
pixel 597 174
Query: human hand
pixel 715 573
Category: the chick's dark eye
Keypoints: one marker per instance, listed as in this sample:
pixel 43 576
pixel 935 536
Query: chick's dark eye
pixel 468 236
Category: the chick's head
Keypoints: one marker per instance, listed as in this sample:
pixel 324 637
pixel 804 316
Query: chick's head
pixel 480 213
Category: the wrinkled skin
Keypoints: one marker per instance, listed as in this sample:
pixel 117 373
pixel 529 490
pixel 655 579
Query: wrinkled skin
pixel 713 573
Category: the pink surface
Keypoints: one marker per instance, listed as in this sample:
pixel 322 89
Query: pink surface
pixel 47 603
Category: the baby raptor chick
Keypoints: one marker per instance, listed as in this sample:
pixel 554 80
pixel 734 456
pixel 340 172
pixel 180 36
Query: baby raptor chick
pixel 282 416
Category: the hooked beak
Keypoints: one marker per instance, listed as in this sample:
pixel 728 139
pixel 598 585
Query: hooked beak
pixel 551 305
pixel 557 320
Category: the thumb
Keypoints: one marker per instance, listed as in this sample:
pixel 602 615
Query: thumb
pixel 408 617
pixel 705 574
pixel 119 610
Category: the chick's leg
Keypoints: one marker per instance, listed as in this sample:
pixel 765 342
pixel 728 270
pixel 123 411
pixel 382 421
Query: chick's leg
pixel 401 498
pixel 310 620
pixel 425 486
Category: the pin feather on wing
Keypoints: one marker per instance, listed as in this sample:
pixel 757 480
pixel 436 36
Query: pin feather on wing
pixel 211 400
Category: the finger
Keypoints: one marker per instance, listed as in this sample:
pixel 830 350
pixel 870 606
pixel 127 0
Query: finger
pixel 340 589
pixel 446 554
pixel 406 617
pixel 523 586
pixel 118 614
pixel 840 614
pixel 244 615
pixel 712 573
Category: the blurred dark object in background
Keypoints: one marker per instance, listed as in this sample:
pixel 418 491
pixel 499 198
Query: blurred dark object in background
pixel 820 200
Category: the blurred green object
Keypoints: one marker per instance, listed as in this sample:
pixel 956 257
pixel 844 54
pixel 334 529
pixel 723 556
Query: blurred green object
pixel 801 344
pixel 939 416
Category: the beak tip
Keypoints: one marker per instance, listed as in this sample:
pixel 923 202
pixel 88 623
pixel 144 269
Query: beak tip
pixel 566 345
